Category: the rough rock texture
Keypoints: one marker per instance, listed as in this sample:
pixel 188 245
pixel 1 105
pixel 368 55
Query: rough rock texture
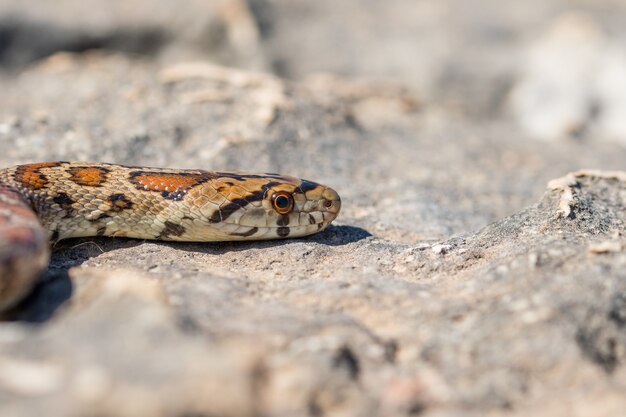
pixel 468 273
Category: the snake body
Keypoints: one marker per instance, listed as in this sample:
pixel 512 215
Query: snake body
pixel 50 201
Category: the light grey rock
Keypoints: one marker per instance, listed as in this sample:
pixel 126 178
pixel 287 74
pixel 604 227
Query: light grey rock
pixel 454 283
pixel 382 314
pixel 118 350
pixel 572 83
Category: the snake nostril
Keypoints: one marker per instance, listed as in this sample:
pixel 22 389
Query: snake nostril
pixel 328 203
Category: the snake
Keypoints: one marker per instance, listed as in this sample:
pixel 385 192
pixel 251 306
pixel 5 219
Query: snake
pixel 45 202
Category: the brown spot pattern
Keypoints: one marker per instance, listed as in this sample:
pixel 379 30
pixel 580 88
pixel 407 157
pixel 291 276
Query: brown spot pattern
pixel 30 176
pixel 282 231
pixel 171 186
pixel 65 203
pixel 171 229
pixel 119 202
pixel 89 176
pixel 283 220
pixel 247 233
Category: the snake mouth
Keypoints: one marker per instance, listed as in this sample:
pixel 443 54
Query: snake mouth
pixel 272 232
pixel 304 220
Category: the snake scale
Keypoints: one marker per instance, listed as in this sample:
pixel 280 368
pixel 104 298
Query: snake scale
pixel 50 201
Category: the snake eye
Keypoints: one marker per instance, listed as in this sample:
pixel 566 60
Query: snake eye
pixel 282 202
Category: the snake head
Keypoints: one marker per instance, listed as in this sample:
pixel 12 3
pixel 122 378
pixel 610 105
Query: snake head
pixel 270 205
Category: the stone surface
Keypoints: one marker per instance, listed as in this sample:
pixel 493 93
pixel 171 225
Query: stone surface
pixel 468 273
pixel 573 83
pixel 88 363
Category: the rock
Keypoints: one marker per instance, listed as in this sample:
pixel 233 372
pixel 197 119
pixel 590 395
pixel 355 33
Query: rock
pixel 453 283
pixel 572 84
pixel 119 349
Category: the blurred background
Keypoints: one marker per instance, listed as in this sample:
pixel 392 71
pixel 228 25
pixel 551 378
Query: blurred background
pixel 555 67
pixel 431 118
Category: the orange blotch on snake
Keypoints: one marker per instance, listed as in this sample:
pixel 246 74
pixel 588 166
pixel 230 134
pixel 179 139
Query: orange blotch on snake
pixel 171 186
pixel 89 176
pixel 167 182
pixel 29 175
